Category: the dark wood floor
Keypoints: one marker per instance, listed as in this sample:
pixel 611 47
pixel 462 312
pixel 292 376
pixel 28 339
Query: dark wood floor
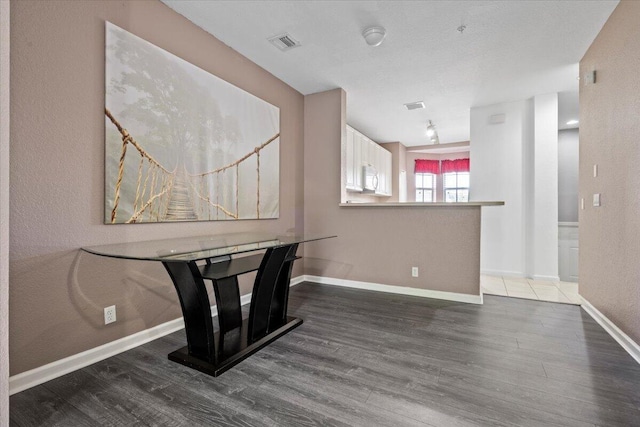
pixel 369 359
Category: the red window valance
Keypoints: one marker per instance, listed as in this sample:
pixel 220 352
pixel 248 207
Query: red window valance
pixel 427 166
pixel 457 165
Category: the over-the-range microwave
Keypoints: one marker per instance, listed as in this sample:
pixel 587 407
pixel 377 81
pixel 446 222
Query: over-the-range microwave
pixel 369 178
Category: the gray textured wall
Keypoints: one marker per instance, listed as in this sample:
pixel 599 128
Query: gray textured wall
pixel 379 244
pixel 57 171
pixel 4 212
pixel 609 129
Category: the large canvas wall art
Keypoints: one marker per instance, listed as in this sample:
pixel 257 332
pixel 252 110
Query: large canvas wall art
pixel 181 143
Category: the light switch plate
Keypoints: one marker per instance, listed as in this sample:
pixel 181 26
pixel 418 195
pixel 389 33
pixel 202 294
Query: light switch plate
pixel 590 77
pixel 595 171
pixel 596 199
pixel 582 203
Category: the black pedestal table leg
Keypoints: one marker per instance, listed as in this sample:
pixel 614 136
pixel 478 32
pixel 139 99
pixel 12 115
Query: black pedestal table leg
pixel 196 309
pixel 214 353
pixel 228 303
pixel 278 313
pixel 263 290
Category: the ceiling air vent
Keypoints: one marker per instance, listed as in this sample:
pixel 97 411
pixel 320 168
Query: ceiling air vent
pixel 414 105
pixel 284 42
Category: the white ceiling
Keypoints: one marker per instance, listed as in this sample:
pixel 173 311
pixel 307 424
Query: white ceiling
pixel 510 50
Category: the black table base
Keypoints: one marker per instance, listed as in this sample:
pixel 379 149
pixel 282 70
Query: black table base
pixel 215 352
pixel 237 345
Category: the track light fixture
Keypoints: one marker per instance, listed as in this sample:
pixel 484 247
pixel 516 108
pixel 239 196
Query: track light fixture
pixel 432 133
pixel 431 129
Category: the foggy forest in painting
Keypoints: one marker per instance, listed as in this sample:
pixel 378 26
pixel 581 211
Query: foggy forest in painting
pixel 181 143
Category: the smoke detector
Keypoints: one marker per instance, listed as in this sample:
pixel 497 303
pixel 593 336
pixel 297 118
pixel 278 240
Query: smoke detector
pixel 284 42
pixel 374 35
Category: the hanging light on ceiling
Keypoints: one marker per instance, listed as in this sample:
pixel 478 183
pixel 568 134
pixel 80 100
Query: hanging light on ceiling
pixel 432 133
pixel 431 129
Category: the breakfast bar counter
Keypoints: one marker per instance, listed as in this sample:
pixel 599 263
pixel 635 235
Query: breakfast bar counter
pixel 421 204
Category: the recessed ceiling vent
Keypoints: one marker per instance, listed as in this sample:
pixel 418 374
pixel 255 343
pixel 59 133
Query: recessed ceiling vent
pixel 284 42
pixel 414 105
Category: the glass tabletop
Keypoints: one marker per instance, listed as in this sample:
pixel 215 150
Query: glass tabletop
pixel 199 247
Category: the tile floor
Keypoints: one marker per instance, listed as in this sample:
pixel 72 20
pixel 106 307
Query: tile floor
pixel 519 287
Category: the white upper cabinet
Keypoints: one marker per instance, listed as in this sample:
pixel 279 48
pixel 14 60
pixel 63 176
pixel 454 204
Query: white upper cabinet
pixel 373 153
pixel 353 153
pixel 384 171
pixel 361 151
pixel 357 163
pixel 389 168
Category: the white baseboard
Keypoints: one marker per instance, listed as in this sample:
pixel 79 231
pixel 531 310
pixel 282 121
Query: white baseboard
pixel 297 280
pixel 402 290
pixel 42 374
pixel 623 339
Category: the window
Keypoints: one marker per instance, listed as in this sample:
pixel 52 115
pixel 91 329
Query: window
pixel 450 175
pixel 425 187
pixel 456 186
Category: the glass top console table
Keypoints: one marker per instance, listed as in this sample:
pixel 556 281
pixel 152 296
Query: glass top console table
pixel 192 260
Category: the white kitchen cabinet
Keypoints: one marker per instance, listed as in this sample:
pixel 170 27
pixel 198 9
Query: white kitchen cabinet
pixel 384 166
pixel 390 174
pixel 568 251
pixel 361 151
pixel 354 160
pixel 373 153
pixel 357 163
pixel 388 167
pixel 368 154
pixel 382 173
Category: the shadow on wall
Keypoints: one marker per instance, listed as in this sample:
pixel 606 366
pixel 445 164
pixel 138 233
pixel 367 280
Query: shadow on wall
pixel 131 293
pixel 75 287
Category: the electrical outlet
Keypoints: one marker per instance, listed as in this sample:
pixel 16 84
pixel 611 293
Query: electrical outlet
pixel 414 271
pixel 109 314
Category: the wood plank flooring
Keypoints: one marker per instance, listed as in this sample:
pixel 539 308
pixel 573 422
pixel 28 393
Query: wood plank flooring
pixel 369 359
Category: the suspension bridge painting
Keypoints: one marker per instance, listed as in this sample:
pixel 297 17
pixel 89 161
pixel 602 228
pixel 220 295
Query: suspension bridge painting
pixel 181 143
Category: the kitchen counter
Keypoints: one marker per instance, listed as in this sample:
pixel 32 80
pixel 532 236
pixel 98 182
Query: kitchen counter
pixel 421 204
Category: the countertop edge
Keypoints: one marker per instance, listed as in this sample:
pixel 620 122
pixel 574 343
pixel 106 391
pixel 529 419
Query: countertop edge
pixel 421 205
